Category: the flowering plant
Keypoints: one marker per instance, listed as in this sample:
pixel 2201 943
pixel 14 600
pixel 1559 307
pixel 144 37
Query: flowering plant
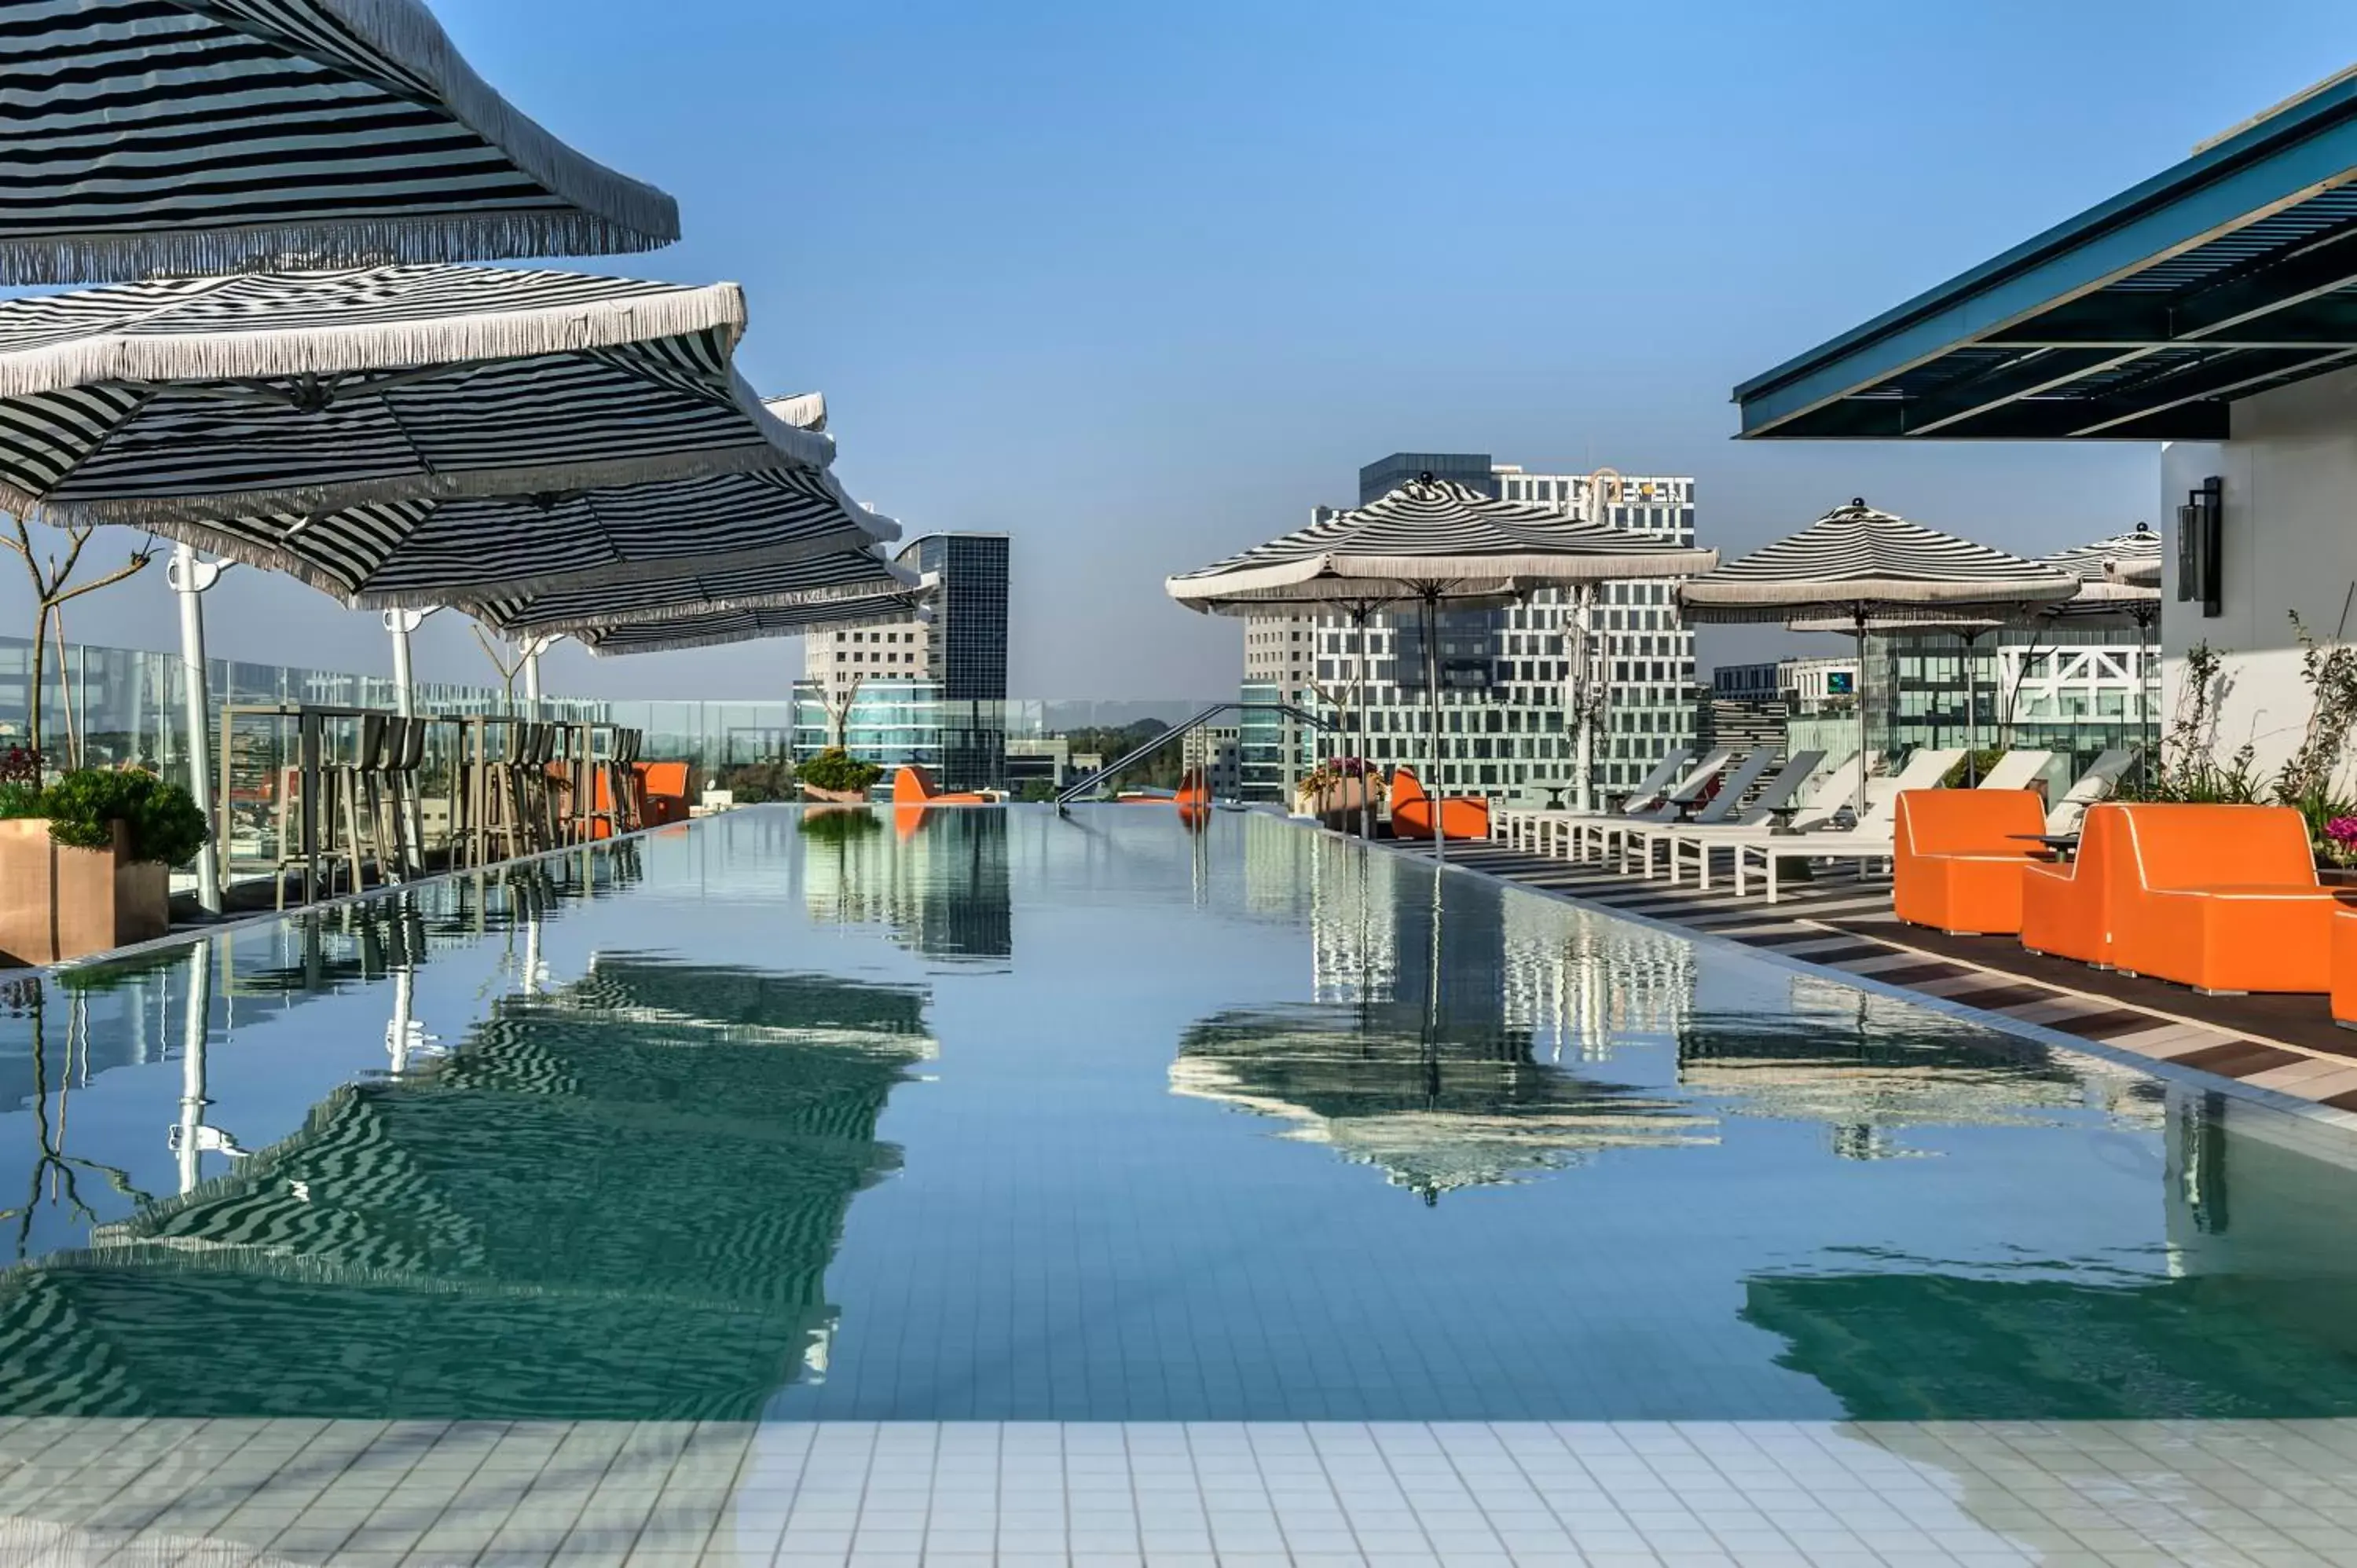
pixel 2341 836
pixel 1335 770
pixel 20 764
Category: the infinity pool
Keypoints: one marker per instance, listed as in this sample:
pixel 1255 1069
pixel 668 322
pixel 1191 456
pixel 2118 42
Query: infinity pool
pixel 997 1115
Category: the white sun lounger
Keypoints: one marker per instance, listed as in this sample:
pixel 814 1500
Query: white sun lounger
pixel 1869 842
pixel 1640 839
pixel 1601 834
pixel 2098 784
pixel 1532 828
pixel 2015 770
pixel 1807 773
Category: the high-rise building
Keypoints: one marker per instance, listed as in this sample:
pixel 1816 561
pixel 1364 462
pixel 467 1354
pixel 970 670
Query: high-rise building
pixel 930 690
pixel 1280 654
pixel 1506 674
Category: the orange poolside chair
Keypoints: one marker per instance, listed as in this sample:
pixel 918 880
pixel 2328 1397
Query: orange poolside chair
pixel 1958 856
pixel 1461 817
pixel 662 791
pixel 2066 908
pixel 913 786
pixel 2344 967
pixel 2223 898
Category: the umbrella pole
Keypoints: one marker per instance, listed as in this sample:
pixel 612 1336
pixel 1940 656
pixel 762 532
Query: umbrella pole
pixel 1971 712
pixel 189 1134
pixel 1583 702
pixel 1857 630
pixel 189 579
pixel 1359 726
pixel 1431 610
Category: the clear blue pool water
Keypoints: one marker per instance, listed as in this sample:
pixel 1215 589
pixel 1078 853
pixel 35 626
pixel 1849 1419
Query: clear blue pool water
pixel 998 1115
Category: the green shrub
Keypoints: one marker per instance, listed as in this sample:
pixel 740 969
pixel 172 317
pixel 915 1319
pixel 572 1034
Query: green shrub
pixel 760 783
pixel 1971 766
pixel 83 808
pixel 1036 792
pixel 828 826
pixel 17 800
pixel 835 768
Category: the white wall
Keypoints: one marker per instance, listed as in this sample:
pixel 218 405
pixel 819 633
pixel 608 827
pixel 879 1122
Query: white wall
pixel 2290 545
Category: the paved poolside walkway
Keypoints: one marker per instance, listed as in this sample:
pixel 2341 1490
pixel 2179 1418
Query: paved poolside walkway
pixel 372 1494
pixel 2287 1045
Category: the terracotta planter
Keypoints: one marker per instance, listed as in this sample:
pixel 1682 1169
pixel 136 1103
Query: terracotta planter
pixel 58 903
pixel 836 797
pixel 1337 805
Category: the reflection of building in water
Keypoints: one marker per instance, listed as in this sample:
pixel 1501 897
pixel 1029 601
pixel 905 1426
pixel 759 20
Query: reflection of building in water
pixel 2252 1313
pixel 1869 1066
pixel 1577 980
pixel 615 1201
pixel 1436 1109
pixel 1286 869
pixel 938 879
pixel 1568 979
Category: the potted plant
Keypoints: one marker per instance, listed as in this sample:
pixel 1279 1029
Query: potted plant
pixel 1337 789
pixel 86 862
pixel 836 774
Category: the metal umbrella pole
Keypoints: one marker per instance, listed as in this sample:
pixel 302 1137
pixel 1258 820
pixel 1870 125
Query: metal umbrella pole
pixel 190 578
pixel 1857 630
pixel 1430 597
pixel 1583 768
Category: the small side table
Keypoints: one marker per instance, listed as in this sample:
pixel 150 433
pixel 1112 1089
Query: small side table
pixel 2063 846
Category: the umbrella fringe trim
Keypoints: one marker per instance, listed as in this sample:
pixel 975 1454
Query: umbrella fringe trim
pixel 408 32
pixel 605 576
pixel 114 356
pixel 798 599
pixel 726 638
pixel 132 255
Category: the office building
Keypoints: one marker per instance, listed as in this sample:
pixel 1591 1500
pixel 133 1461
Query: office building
pixel 1802 685
pixel 1273 748
pixel 925 691
pixel 1506 674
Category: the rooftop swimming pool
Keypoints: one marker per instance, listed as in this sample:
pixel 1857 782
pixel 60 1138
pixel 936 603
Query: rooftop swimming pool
pixel 989 1114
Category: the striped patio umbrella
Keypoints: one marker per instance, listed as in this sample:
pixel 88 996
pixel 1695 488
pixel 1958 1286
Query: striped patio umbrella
pixel 152 136
pixel 1433 540
pixel 814 583
pixel 171 404
pixel 1857 565
pixel 718 628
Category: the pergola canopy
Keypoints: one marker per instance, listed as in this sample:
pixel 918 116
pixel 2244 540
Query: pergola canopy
pixel 150 136
pixel 2144 317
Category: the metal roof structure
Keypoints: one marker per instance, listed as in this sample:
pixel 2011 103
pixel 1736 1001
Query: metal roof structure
pixel 2143 318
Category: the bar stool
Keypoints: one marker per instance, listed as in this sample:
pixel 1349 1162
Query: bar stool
pixel 615 804
pixel 497 806
pixel 350 809
pixel 399 805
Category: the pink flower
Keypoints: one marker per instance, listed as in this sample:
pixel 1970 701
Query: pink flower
pixel 2341 830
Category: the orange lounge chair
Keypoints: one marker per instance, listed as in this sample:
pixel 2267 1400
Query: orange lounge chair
pixel 2225 899
pixel 2066 909
pixel 662 791
pixel 1191 791
pixel 1461 817
pixel 913 786
pixel 1958 856
pixel 2344 967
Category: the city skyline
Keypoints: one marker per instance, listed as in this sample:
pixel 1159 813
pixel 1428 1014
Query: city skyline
pixel 1142 349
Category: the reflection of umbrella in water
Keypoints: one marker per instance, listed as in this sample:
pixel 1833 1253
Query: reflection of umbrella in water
pixel 617 1201
pixel 1395 1084
pixel 1926 1346
pixel 1866 1068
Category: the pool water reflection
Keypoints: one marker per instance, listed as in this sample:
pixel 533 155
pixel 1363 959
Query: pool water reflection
pixel 990 1114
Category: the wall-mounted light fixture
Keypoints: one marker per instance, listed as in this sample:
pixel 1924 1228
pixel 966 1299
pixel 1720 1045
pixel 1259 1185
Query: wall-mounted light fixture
pixel 2201 576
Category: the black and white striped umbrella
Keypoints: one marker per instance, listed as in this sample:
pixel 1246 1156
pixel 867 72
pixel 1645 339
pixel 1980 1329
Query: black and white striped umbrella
pixel 1431 533
pixel 714 628
pixel 1856 563
pixel 152 136
pixel 419 554
pixel 168 404
pixel 1858 569
pixel 814 584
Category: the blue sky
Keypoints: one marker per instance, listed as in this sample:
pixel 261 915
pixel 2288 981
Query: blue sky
pixel 1141 284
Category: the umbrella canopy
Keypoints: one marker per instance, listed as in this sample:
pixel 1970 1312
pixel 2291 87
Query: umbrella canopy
pixel 212 136
pixel 419 554
pixel 2130 557
pixel 169 404
pixel 1858 568
pixel 1426 534
pixel 713 628
pixel 1857 563
pixel 813 584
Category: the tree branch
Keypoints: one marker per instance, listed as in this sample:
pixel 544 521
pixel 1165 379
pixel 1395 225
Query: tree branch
pixel 65 596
